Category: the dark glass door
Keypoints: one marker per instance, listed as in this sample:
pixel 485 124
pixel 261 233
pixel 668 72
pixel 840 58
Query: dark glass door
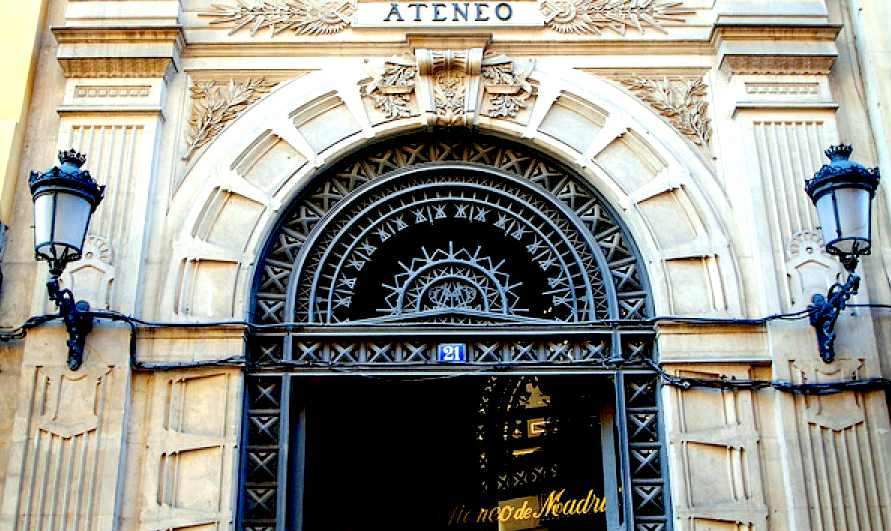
pixel 488 454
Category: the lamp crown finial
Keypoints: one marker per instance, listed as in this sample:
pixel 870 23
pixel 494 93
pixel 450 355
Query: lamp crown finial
pixel 70 156
pixel 839 152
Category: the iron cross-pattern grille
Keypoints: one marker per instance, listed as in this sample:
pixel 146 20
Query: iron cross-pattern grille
pixel 430 239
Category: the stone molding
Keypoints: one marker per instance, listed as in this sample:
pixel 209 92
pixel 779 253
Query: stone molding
pixel 116 67
pixel 112 91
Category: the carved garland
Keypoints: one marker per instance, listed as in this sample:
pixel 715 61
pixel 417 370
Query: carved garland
pixel 683 101
pixel 596 16
pixel 304 17
pixel 215 104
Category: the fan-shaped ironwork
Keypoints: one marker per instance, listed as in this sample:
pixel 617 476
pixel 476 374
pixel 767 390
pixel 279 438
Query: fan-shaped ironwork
pixel 312 268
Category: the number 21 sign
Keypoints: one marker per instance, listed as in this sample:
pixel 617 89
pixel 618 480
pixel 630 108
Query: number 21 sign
pixel 451 353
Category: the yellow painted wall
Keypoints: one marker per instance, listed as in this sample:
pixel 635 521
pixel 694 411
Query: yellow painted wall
pixel 23 22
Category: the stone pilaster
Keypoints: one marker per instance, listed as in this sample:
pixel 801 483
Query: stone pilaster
pixel 113 111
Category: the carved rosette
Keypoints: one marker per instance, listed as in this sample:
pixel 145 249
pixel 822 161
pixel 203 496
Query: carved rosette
pixel 216 103
pixel 507 86
pixel 682 100
pixel 597 16
pixel 454 75
pixel 303 17
pixel 392 88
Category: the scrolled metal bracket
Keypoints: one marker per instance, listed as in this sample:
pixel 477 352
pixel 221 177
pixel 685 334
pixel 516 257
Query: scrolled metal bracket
pixel 824 311
pixel 78 320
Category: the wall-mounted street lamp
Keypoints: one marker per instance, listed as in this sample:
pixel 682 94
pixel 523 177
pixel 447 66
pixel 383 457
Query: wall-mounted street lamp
pixel 842 191
pixel 65 198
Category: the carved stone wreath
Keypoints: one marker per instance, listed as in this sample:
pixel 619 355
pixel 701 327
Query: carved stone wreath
pixel 303 17
pixel 596 16
pixel 682 100
pixel 216 103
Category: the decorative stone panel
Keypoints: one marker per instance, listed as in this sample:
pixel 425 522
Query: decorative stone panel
pixel 120 149
pixel 715 454
pixel 191 462
pixel 838 449
pixel 306 17
pixel 786 152
pixel 449 96
pixel 682 100
pixel 66 448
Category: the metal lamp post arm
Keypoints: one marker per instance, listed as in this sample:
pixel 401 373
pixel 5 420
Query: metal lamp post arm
pixel 78 320
pixel 824 312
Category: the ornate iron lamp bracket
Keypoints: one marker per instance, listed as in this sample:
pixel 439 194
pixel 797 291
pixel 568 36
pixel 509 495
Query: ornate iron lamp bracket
pixel 824 311
pixel 78 320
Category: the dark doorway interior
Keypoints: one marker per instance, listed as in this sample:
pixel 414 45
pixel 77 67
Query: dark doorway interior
pixel 403 454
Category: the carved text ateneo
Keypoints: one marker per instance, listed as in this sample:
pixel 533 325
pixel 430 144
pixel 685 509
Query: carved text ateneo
pixel 449 12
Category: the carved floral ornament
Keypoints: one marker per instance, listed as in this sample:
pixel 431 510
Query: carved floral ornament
pixel 321 17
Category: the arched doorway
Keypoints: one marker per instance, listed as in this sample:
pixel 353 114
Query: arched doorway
pixel 425 243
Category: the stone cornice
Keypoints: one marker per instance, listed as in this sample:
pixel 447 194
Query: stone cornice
pixel 776 49
pixel 119 34
pixel 386 49
pixel 786 32
pixel 120 51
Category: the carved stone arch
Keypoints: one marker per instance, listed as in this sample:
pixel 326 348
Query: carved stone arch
pixel 229 201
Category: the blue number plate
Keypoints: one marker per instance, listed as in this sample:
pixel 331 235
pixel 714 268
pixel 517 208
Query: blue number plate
pixel 451 353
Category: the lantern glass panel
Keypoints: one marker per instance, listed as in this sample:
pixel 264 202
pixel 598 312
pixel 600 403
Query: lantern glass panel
pixel 845 221
pixel 72 219
pixel 60 224
pixel 44 205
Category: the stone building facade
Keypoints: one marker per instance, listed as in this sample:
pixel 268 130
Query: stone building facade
pixel 254 151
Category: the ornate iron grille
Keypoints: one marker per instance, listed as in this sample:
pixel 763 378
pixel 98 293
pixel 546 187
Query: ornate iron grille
pixel 563 223
pixel 376 260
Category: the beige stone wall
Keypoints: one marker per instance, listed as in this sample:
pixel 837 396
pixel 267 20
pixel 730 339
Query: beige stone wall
pixel 202 134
